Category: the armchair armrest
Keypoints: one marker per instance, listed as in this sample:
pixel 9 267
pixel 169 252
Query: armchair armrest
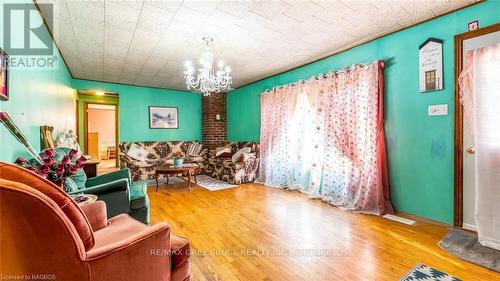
pixel 116 175
pixel 149 249
pixel 108 187
pixel 96 214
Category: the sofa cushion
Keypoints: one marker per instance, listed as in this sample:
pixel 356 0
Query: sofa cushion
pixel 194 159
pixel 119 228
pixel 194 149
pixel 240 153
pixel 180 250
pixel 138 195
pixel 61 198
pixel 137 152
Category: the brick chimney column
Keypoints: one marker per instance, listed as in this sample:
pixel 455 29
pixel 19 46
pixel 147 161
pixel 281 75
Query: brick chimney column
pixel 214 120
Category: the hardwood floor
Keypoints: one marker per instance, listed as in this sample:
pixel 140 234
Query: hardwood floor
pixel 225 226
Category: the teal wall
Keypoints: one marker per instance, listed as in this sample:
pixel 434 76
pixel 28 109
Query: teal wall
pixel 134 113
pixel 420 148
pixel 37 97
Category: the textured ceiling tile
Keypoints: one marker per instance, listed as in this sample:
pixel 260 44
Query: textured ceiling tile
pixel 154 19
pixel 269 8
pixel 121 17
pixel 235 8
pixel 190 16
pixel 146 42
pixel 170 5
pixel 206 7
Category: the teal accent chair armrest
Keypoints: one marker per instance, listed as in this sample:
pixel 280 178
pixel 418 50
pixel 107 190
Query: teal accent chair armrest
pixel 112 188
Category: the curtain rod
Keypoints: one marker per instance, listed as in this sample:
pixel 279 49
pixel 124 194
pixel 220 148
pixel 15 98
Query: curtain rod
pixel 324 75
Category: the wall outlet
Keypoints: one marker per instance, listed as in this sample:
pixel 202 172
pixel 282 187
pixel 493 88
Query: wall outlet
pixel 438 109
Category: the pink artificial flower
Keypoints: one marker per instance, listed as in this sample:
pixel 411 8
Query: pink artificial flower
pixel 60 169
pixel 48 161
pixel 66 159
pixel 73 168
pixel 81 160
pixel 72 153
pixel 21 161
pixel 43 175
pixel 4 116
pixel 44 169
pixel 50 152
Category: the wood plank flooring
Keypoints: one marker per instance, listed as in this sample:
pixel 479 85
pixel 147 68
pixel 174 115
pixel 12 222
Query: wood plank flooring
pixel 254 232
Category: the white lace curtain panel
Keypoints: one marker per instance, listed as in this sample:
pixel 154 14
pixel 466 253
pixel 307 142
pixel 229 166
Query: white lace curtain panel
pixel 325 137
pixel 480 97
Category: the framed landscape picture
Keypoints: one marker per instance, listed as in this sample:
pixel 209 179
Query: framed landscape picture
pixel 161 117
pixel 4 75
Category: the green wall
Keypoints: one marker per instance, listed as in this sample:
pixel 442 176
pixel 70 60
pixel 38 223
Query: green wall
pixel 420 148
pixel 37 97
pixel 134 113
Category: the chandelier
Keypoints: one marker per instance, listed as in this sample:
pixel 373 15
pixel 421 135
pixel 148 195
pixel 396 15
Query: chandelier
pixel 208 79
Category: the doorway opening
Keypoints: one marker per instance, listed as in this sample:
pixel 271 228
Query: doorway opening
pixel 464 182
pixel 98 130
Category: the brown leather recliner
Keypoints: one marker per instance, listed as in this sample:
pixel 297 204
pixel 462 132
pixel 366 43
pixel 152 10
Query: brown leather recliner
pixel 45 235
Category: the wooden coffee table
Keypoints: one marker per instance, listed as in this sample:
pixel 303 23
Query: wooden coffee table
pixel 171 170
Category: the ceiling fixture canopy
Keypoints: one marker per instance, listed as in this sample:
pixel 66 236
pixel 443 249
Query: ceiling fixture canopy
pixel 208 79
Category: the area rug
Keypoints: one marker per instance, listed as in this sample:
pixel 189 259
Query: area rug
pixel 203 181
pixel 423 272
pixel 465 245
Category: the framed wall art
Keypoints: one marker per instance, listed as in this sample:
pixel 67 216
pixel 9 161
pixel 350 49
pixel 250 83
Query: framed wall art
pixel 161 117
pixel 431 65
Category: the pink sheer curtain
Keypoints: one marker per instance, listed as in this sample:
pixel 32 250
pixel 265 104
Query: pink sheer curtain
pixel 325 137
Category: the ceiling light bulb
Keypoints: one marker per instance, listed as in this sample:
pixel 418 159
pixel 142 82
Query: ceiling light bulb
pixel 221 64
pixel 99 93
pixel 187 63
pixel 228 69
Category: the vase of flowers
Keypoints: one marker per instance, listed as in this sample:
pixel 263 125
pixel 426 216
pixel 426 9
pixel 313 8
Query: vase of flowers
pixel 58 166
pixel 178 159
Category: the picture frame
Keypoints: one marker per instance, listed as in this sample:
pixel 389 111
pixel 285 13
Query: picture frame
pixel 4 75
pixel 431 65
pixel 163 117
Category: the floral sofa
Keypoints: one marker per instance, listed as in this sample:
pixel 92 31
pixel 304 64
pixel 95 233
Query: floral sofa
pixel 242 171
pixel 160 153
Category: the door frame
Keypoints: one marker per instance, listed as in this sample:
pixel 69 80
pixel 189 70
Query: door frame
pixel 86 125
pixel 458 178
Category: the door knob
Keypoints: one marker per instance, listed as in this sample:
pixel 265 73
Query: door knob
pixel 470 150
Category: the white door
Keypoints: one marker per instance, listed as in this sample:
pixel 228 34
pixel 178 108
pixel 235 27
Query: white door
pixel 468 148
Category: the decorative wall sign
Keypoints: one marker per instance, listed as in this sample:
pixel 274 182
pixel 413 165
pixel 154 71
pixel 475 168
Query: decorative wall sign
pixel 431 65
pixel 163 117
pixel 473 25
pixel 4 75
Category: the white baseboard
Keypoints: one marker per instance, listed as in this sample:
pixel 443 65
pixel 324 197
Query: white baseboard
pixel 469 226
pixel 399 219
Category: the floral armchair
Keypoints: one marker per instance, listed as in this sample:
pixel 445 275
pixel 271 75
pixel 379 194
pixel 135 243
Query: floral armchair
pixel 159 153
pixel 242 171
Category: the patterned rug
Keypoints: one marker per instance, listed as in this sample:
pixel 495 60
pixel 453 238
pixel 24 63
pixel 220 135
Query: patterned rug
pixel 203 181
pixel 424 273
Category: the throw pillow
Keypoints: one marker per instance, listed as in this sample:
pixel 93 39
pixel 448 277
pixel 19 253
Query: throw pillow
pixel 137 152
pixel 194 149
pixel 239 153
pixel 223 152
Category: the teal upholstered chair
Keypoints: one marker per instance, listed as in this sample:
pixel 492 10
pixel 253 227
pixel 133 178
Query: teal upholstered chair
pixel 120 194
